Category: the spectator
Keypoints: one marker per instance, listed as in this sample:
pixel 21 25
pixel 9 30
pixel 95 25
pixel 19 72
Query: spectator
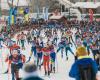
pixel 30 72
pixel 84 62
pixel 98 76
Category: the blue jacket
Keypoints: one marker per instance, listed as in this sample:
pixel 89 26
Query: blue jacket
pixel 74 72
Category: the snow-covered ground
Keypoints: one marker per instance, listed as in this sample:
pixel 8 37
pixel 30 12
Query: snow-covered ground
pixel 62 66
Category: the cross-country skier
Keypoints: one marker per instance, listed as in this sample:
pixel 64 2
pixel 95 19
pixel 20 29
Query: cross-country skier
pixel 52 59
pixel 61 45
pixel 23 40
pixel 16 61
pixel 68 48
pixel 18 39
pixel 46 60
pixel 39 56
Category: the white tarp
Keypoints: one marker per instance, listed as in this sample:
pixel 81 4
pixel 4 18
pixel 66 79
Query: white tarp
pixel 87 4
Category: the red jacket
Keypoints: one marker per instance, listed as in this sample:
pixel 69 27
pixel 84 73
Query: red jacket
pixel 15 46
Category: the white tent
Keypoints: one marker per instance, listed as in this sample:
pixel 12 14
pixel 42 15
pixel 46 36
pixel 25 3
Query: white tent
pixel 87 4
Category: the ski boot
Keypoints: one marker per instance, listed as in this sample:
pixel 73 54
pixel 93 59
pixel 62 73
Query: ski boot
pixel 66 57
pixel 45 72
pixel 6 72
pixel 51 68
pixel 48 73
pixel 62 56
pixel 54 69
pixel 39 67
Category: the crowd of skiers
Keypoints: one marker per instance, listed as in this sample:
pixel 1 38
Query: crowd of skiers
pixel 47 42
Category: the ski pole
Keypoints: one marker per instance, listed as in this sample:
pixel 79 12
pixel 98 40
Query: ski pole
pixel 1 58
pixel 57 63
pixel 8 71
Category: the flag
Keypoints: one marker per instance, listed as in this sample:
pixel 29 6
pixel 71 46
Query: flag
pixel 26 14
pixel 46 13
pixel 10 16
pixel 12 19
pixel 91 15
pixel 21 11
pixel 26 17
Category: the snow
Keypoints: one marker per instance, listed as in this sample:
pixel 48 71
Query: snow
pixel 62 66
pixel 89 4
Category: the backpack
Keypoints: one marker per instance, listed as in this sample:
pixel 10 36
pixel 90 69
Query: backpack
pixel 86 72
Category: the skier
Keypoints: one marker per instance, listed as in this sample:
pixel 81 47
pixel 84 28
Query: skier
pixel 55 38
pixel 46 60
pixel 28 36
pixel 61 47
pixel 68 48
pixel 12 44
pixel 78 42
pixel 77 34
pixel 41 42
pixel 23 40
pixel 89 43
pixel 96 54
pixel 95 50
pixel 52 59
pixel 16 61
pixel 1 38
pixel 33 50
pixel 39 56
pixel 69 34
pixel 18 39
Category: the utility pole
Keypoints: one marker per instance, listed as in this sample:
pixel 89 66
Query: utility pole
pixel 46 10
pixel 37 8
pixel 12 3
pixel 69 11
pixel 32 5
pixel 60 8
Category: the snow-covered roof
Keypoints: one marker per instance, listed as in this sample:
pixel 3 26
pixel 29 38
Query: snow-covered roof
pixel 4 4
pixel 87 4
pixel 20 2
